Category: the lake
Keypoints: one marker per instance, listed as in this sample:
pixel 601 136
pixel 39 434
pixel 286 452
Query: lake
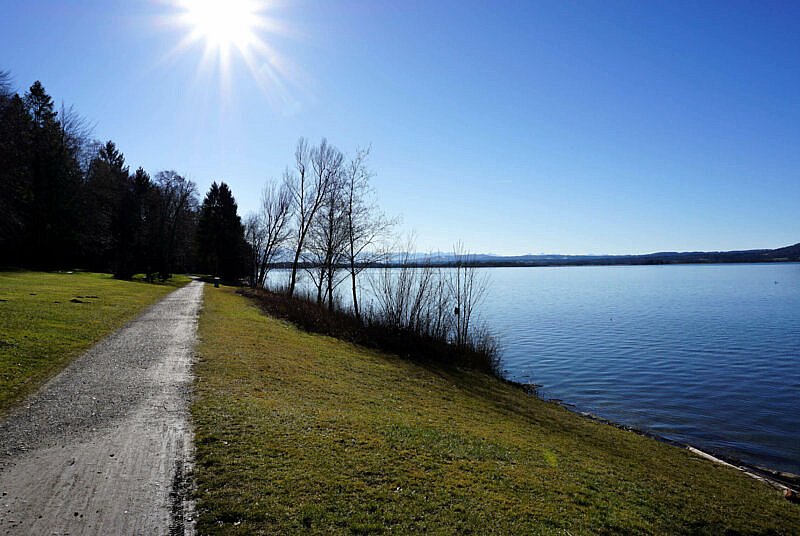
pixel 702 354
pixel 707 355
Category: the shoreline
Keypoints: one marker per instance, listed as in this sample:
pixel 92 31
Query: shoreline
pixel 780 480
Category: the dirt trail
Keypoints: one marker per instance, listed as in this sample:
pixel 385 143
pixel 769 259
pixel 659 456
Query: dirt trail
pixel 103 447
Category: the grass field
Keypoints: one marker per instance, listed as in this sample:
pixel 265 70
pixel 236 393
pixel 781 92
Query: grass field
pixel 47 319
pixel 302 433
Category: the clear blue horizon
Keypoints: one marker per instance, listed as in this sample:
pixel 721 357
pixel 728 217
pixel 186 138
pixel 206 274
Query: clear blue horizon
pixel 517 128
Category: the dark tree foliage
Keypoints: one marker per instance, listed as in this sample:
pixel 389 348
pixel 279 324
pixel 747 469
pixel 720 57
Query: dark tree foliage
pixel 106 201
pixel 220 235
pixel 67 202
pixel 174 223
pixel 144 208
pixel 40 105
pixel 52 237
pixel 16 183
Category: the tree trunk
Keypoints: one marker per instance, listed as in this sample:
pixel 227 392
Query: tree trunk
pixel 355 294
pixel 330 289
pixel 294 272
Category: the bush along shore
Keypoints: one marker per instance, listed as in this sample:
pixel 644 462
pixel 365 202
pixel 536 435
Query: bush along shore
pixel 425 313
pixel 301 432
pixel 405 341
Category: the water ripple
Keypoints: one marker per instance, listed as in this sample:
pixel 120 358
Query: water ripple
pixel 703 354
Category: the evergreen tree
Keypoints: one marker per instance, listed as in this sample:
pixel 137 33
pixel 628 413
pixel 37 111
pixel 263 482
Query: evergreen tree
pixel 15 175
pixel 107 206
pixel 220 234
pixel 144 204
pixel 40 106
pixel 65 202
pixel 52 231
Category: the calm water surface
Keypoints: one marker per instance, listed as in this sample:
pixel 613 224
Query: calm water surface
pixel 703 354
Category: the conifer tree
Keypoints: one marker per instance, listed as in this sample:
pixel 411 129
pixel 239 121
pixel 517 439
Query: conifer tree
pixel 15 174
pixel 105 204
pixel 53 236
pixel 220 234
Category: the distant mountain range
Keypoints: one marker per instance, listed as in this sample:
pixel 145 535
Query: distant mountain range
pixel 785 254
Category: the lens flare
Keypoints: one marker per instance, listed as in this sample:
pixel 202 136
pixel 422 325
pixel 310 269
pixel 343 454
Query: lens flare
pixel 222 24
pixel 227 30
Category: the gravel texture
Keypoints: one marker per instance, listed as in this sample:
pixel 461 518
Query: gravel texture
pixel 105 446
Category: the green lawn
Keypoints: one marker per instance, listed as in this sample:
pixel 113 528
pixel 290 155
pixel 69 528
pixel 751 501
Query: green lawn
pixel 302 433
pixel 47 319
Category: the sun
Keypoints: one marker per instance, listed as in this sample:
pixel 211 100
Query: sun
pixel 230 32
pixel 223 24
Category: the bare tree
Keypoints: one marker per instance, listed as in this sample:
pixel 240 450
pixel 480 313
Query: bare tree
pixel 76 134
pixel 332 232
pixel 178 205
pixel 316 169
pixel 327 235
pixel 254 236
pixel 467 289
pixel 314 265
pixel 364 224
pixel 412 295
pixel 392 288
pixel 5 85
pixel 432 300
pixel 268 231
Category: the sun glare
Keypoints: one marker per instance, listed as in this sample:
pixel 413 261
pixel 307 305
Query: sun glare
pixel 223 23
pixel 227 30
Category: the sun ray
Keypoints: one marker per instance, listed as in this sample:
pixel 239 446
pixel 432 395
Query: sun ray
pixel 231 31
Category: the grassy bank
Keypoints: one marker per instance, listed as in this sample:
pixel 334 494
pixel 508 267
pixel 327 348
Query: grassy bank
pixel 298 432
pixel 47 319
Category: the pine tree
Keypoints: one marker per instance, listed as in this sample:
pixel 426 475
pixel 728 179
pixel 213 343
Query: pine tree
pixel 40 105
pixel 52 234
pixel 144 203
pixel 220 234
pixel 107 205
pixel 15 176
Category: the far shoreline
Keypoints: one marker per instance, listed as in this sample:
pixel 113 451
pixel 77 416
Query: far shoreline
pixel 439 259
pixel 580 264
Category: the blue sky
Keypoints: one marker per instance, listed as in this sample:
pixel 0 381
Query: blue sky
pixel 516 127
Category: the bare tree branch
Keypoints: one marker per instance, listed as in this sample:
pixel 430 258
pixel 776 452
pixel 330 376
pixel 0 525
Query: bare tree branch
pixel 317 170
pixel 365 225
pixel 269 230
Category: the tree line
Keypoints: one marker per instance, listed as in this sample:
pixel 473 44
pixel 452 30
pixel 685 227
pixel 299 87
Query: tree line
pixel 69 201
pixel 321 220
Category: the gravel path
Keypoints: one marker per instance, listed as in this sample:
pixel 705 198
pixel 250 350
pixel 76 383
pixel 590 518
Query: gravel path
pixel 104 446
